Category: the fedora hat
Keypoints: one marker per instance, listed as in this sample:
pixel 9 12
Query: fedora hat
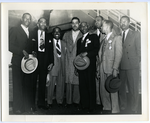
pixel 112 84
pixel 81 63
pixel 29 65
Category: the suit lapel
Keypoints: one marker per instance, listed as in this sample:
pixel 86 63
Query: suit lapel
pixel 22 31
pixel 128 37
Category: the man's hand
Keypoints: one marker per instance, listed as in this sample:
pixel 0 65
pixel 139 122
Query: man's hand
pixel 75 72
pixel 50 67
pixel 83 54
pixel 34 54
pixel 26 55
pixel 115 73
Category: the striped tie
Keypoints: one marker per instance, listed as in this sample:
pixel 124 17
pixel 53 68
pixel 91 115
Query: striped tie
pixel 58 49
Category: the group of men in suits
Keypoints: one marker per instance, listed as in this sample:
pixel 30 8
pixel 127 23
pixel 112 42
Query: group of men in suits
pixel 111 52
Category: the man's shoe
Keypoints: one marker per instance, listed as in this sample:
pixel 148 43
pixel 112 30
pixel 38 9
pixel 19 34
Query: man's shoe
pixel 43 107
pixel 18 112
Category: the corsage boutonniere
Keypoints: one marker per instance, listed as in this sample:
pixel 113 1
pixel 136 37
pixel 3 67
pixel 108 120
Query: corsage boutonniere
pixel 87 42
pixel 110 44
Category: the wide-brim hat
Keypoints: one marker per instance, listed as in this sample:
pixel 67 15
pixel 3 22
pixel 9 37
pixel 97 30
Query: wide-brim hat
pixel 112 84
pixel 81 63
pixel 29 65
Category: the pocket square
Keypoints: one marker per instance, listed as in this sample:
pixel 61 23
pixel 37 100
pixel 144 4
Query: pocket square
pixel 87 42
pixel 33 40
pixel 49 41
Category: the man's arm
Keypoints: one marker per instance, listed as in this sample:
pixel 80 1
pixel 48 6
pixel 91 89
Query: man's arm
pixel 13 44
pixel 118 52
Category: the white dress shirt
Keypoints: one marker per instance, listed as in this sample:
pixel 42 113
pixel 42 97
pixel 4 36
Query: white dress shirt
pixel 59 43
pixel 126 32
pixel 108 35
pixel 85 35
pixel 74 35
pixel 25 29
pixel 39 37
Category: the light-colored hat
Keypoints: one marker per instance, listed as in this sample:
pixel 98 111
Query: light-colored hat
pixel 81 63
pixel 29 65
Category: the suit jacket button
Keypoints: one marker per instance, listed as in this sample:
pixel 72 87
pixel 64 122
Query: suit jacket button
pixel 128 58
pixel 127 52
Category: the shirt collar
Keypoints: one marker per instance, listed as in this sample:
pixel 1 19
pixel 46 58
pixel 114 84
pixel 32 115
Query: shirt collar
pixel 126 31
pixel 85 35
pixel 26 28
pixel 108 35
pixel 76 31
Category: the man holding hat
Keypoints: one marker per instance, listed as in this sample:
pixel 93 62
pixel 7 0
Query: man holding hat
pixel 43 48
pixel 87 46
pixel 20 46
pixel 110 54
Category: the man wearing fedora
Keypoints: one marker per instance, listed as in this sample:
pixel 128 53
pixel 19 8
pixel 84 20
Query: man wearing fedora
pixel 110 54
pixel 87 46
pixel 43 48
pixel 72 81
pixel 130 65
pixel 20 46
pixel 57 74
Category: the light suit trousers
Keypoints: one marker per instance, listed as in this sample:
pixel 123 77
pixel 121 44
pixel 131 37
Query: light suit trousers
pixel 109 100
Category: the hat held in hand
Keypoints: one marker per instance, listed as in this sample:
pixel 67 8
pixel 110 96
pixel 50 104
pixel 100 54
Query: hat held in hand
pixel 112 84
pixel 81 63
pixel 29 65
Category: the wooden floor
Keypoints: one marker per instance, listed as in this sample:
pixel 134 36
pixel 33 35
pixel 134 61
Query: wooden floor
pixel 72 110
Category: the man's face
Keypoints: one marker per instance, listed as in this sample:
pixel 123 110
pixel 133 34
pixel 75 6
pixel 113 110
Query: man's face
pixel 124 23
pixel 104 27
pixel 42 24
pixel 56 33
pixel 75 24
pixel 84 28
pixel 26 19
pixel 98 22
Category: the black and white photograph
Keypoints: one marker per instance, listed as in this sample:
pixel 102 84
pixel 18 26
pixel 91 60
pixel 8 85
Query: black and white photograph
pixel 74 60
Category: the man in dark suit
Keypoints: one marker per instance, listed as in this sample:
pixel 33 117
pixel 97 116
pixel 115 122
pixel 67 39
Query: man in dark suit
pixel 130 65
pixel 88 46
pixel 19 45
pixel 43 48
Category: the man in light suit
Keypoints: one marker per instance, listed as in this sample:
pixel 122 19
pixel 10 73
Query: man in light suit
pixel 72 81
pixel 44 50
pixel 88 46
pixel 20 46
pixel 109 56
pixel 98 24
pixel 57 73
pixel 130 65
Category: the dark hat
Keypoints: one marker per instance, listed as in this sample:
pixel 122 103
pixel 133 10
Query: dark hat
pixel 29 65
pixel 112 84
pixel 81 63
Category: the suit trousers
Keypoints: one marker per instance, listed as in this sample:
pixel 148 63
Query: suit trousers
pixel 17 76
pixel 72 93
pixel 59 81
pixel 41 73
pixel 109 100
pixel 98 99
pixel 129 78
pixel 87 87
pixel 23 98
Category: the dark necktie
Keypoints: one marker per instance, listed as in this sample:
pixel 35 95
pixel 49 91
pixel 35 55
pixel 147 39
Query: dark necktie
pixel 42 43
pixel 58 48
pixel 123 36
